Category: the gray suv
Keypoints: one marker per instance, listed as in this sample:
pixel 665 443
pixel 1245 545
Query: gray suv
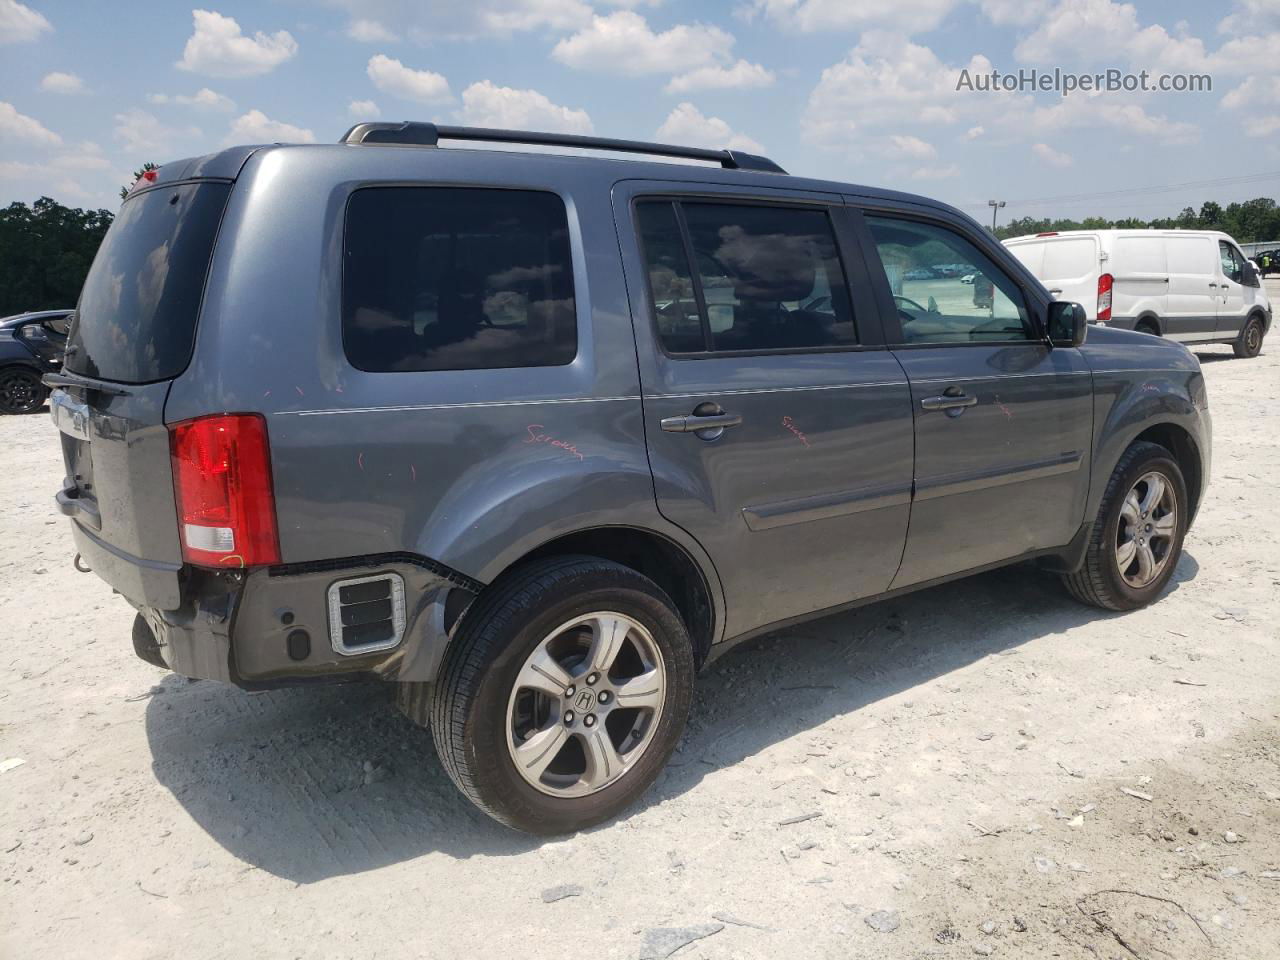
pixel 533 436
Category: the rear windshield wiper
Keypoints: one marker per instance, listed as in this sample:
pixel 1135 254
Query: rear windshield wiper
pixel 86 383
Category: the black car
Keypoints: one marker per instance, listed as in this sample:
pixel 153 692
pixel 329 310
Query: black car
pixel 31 345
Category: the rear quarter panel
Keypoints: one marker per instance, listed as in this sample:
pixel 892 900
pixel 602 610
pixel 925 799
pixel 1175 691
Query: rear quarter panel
pixel 470 468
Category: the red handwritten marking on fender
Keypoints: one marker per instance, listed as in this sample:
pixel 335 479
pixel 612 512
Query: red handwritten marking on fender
pixel 566 446
pixel 799 434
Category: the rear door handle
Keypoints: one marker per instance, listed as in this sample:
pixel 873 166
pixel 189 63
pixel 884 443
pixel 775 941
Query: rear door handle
pixel 696 424
pixel 948 403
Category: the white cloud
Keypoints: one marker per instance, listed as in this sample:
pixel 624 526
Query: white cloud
pixel 18 126
pixel 531 14
pixel 370 31
pixel 142 133
pixel 59 82
pixel 381 21
pixel 1260 53
pixel 909 146
pixel 1048 155
pixel 973 133
pixel 1102 31
pixel 1251 16
pixel 888 81
pixel 741 76
pixel 487 105
pixel 1102 111
pixel 910 16
pixel 218 48
pixel 363 110
pixel 1018 12
pixel 204 98
pixel 935 173
pixel 395 78
pixel 622 42
pixel 256 127
pixel 686 125
pixel 20 24
pixel 84 156
pixel 1264 127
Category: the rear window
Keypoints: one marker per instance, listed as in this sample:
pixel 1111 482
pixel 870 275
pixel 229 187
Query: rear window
pixel 446 278
pixel 136 321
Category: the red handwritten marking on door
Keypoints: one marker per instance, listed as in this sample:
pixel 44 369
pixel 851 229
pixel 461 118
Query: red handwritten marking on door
pixel 1004 409
pixel 566 446
pixel 799 434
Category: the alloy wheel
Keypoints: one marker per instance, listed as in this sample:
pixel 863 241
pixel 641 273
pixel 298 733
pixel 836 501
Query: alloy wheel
pixel 1147 529
pixel 586 704
pixel 19 393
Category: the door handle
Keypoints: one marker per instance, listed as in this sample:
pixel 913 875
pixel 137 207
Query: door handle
pixel 697 423
pixel 1055 292
pixel 1213 284
pixel 957 403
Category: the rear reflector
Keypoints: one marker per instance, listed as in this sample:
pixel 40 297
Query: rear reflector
pixel 222 483
pixel 1104 298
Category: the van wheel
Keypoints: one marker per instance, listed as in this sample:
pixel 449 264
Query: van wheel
pixel 1249 344
pixel 1137 538
pixel 563 695
pixel 21 391
pixel 1147 326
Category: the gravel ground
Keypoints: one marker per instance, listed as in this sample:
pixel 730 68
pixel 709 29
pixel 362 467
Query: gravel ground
pixel 985 768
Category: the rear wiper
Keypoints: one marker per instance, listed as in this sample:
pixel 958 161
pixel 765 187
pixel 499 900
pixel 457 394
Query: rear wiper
pixel 86 383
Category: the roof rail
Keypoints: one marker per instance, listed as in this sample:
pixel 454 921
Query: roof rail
pixel 415 133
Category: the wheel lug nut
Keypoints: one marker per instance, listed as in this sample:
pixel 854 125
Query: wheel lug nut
pixel 568 716
pixel 604 696
pixel 591 679
pixel 569 692
pixel 590 721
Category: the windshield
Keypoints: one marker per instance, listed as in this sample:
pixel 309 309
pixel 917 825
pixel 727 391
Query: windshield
pixel 136 320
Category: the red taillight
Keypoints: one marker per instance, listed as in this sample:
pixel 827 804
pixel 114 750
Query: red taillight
pixel 222 482
pixel 1104 298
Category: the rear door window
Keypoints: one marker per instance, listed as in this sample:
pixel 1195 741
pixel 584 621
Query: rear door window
pixel 136 321
pixel 736 277
pixel 444 278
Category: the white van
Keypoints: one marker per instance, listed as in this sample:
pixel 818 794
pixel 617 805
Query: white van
pixel 1189 285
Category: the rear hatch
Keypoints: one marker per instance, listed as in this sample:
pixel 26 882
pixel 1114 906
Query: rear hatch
pixel 1067 265
pixel 133 333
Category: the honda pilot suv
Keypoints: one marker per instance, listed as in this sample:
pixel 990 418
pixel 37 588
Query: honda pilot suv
pixel 532 436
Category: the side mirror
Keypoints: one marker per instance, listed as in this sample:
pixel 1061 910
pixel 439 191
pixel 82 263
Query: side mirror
pixel 1250 277
pixel 1067 324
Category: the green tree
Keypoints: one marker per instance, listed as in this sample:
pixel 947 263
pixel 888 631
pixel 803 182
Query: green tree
pixel 45 253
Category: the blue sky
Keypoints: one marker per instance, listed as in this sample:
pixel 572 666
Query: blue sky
pixel 862 92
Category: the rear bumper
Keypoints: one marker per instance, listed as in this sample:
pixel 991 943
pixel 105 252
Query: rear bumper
pixel 142 582
pixel 270 627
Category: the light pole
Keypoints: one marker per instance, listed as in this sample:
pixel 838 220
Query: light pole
pixel 995 206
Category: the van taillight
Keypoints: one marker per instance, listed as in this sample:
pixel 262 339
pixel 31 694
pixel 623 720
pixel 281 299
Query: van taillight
pixel 1104 298
pixel 222 482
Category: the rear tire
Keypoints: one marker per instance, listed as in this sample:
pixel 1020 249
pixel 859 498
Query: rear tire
pixel 1249 344
pixel 1134 546
pixel 21 391
pixel 1147 326
pixel 517 673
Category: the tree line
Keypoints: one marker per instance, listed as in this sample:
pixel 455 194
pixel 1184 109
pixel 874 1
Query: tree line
pixel 46 248
pixel 1253 221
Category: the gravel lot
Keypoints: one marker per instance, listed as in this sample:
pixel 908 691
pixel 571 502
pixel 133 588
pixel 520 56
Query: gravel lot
pixel 985 768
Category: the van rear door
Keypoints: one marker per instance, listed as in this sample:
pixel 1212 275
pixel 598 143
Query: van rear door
pixel 1067 265
pixel 133 333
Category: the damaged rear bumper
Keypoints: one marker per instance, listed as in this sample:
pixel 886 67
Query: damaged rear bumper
pixel 284 625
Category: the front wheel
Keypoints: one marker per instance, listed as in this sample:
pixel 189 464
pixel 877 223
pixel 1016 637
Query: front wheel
pixel 21 391
pixel 1249 344
pixel 1137 537
pixel 563 695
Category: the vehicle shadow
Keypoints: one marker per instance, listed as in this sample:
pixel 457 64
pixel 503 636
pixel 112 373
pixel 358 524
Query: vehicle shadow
pixel 325 781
